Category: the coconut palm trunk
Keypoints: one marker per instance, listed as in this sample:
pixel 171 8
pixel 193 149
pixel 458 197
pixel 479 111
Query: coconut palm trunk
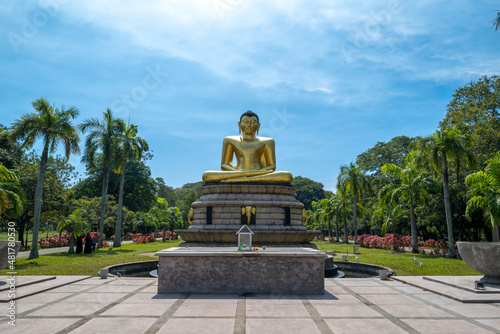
pixel 447 210
pixel 345 227
pixel 337 229
pixel 38 200
pixel 355 218
pixel 118 228
pixel 104 195
pixel 413 226
pixel 329 228
pixel 71 249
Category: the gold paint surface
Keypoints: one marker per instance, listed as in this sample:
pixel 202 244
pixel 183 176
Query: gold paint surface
pixel 255 158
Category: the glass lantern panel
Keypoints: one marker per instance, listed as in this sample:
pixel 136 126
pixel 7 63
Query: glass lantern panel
pixel 245 241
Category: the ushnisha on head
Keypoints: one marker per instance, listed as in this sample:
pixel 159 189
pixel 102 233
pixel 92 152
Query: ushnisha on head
pixel 249 123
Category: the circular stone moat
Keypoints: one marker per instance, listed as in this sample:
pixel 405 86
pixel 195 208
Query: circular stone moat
pixel 345 269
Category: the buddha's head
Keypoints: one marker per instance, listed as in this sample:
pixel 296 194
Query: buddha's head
pixel 249 123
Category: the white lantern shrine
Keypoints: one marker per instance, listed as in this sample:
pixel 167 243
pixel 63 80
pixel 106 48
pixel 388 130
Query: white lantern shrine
pixel 244 238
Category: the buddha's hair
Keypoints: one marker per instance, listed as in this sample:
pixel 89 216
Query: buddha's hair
pixel 249 113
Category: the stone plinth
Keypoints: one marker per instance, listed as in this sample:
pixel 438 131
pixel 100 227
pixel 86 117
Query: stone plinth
pixel 8 248
pixel 227 270
pixel 275 215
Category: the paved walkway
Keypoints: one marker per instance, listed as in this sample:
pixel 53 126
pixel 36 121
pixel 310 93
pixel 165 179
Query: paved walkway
pixel 131 305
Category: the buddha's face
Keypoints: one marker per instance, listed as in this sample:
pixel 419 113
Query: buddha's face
pixel 249 125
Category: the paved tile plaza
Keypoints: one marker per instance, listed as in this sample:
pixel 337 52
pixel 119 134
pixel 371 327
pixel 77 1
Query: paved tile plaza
pixel 131 305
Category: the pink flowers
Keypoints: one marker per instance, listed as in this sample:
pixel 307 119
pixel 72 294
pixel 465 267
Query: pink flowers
pixel 140 239
pixel 399 243
pixel 389 241
pixel 56 241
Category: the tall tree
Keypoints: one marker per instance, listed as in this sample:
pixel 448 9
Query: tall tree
pixel 139 193
pixel 392 152
pixel 11 195
pixel 53 126
pixel 166 192
pixel 410 189
pixel 357 183
pixel 343 199
pixel 441 148
pixel 307 191
pixel 484 194
pixel 322 212
pixel 130 149
pixel 102 136
pixel 474 110
pixel 10 152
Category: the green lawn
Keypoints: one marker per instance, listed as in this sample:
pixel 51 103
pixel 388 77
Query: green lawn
pixel 5 236
pixel 89 264
pixel 402 263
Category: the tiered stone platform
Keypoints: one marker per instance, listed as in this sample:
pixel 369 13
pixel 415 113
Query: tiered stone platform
pixel 273 214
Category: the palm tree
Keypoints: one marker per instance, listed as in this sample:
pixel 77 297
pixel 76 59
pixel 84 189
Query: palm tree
pixel 438 149
pixel 496 22
pixel 130 148
pixel 320 213
pixel 75 225
pixel 102 136
pixel 11 195
pixel 343 203
pixel 335 205
pixel 388 215
pixel 162 215
pixel 484 193
pixel 357 183
pixel 53 126
pixel 410 191
pixel 145 219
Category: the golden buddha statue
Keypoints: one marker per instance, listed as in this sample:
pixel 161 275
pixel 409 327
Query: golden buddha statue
pixel 255 157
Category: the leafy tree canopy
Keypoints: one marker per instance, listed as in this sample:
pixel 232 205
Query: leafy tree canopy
pixel 139 192
pixel 474 109
pixel 392 152
pixel 308 191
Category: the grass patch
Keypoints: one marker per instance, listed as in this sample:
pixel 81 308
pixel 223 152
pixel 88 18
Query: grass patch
pixel 402 263
pixel 88 264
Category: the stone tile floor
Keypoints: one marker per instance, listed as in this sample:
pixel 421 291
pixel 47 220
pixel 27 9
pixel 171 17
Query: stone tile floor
pixel 131 305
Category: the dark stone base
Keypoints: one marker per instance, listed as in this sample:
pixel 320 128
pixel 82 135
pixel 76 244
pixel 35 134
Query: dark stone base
pixel 227 270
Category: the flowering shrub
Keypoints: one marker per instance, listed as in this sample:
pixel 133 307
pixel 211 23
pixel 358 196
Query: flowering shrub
pixel 168 235
pixel 389 241
pixel 399 243
pixel 56 241
pixel 136 237
pixel 144 239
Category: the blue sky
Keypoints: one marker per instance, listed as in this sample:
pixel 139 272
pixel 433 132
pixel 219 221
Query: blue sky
pixel 328 79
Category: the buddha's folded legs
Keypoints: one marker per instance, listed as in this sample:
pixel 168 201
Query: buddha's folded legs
pixel 253 176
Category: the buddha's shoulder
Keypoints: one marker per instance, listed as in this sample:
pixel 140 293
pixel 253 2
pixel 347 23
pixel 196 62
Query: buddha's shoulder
pixel 266 139
pixel 232 139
